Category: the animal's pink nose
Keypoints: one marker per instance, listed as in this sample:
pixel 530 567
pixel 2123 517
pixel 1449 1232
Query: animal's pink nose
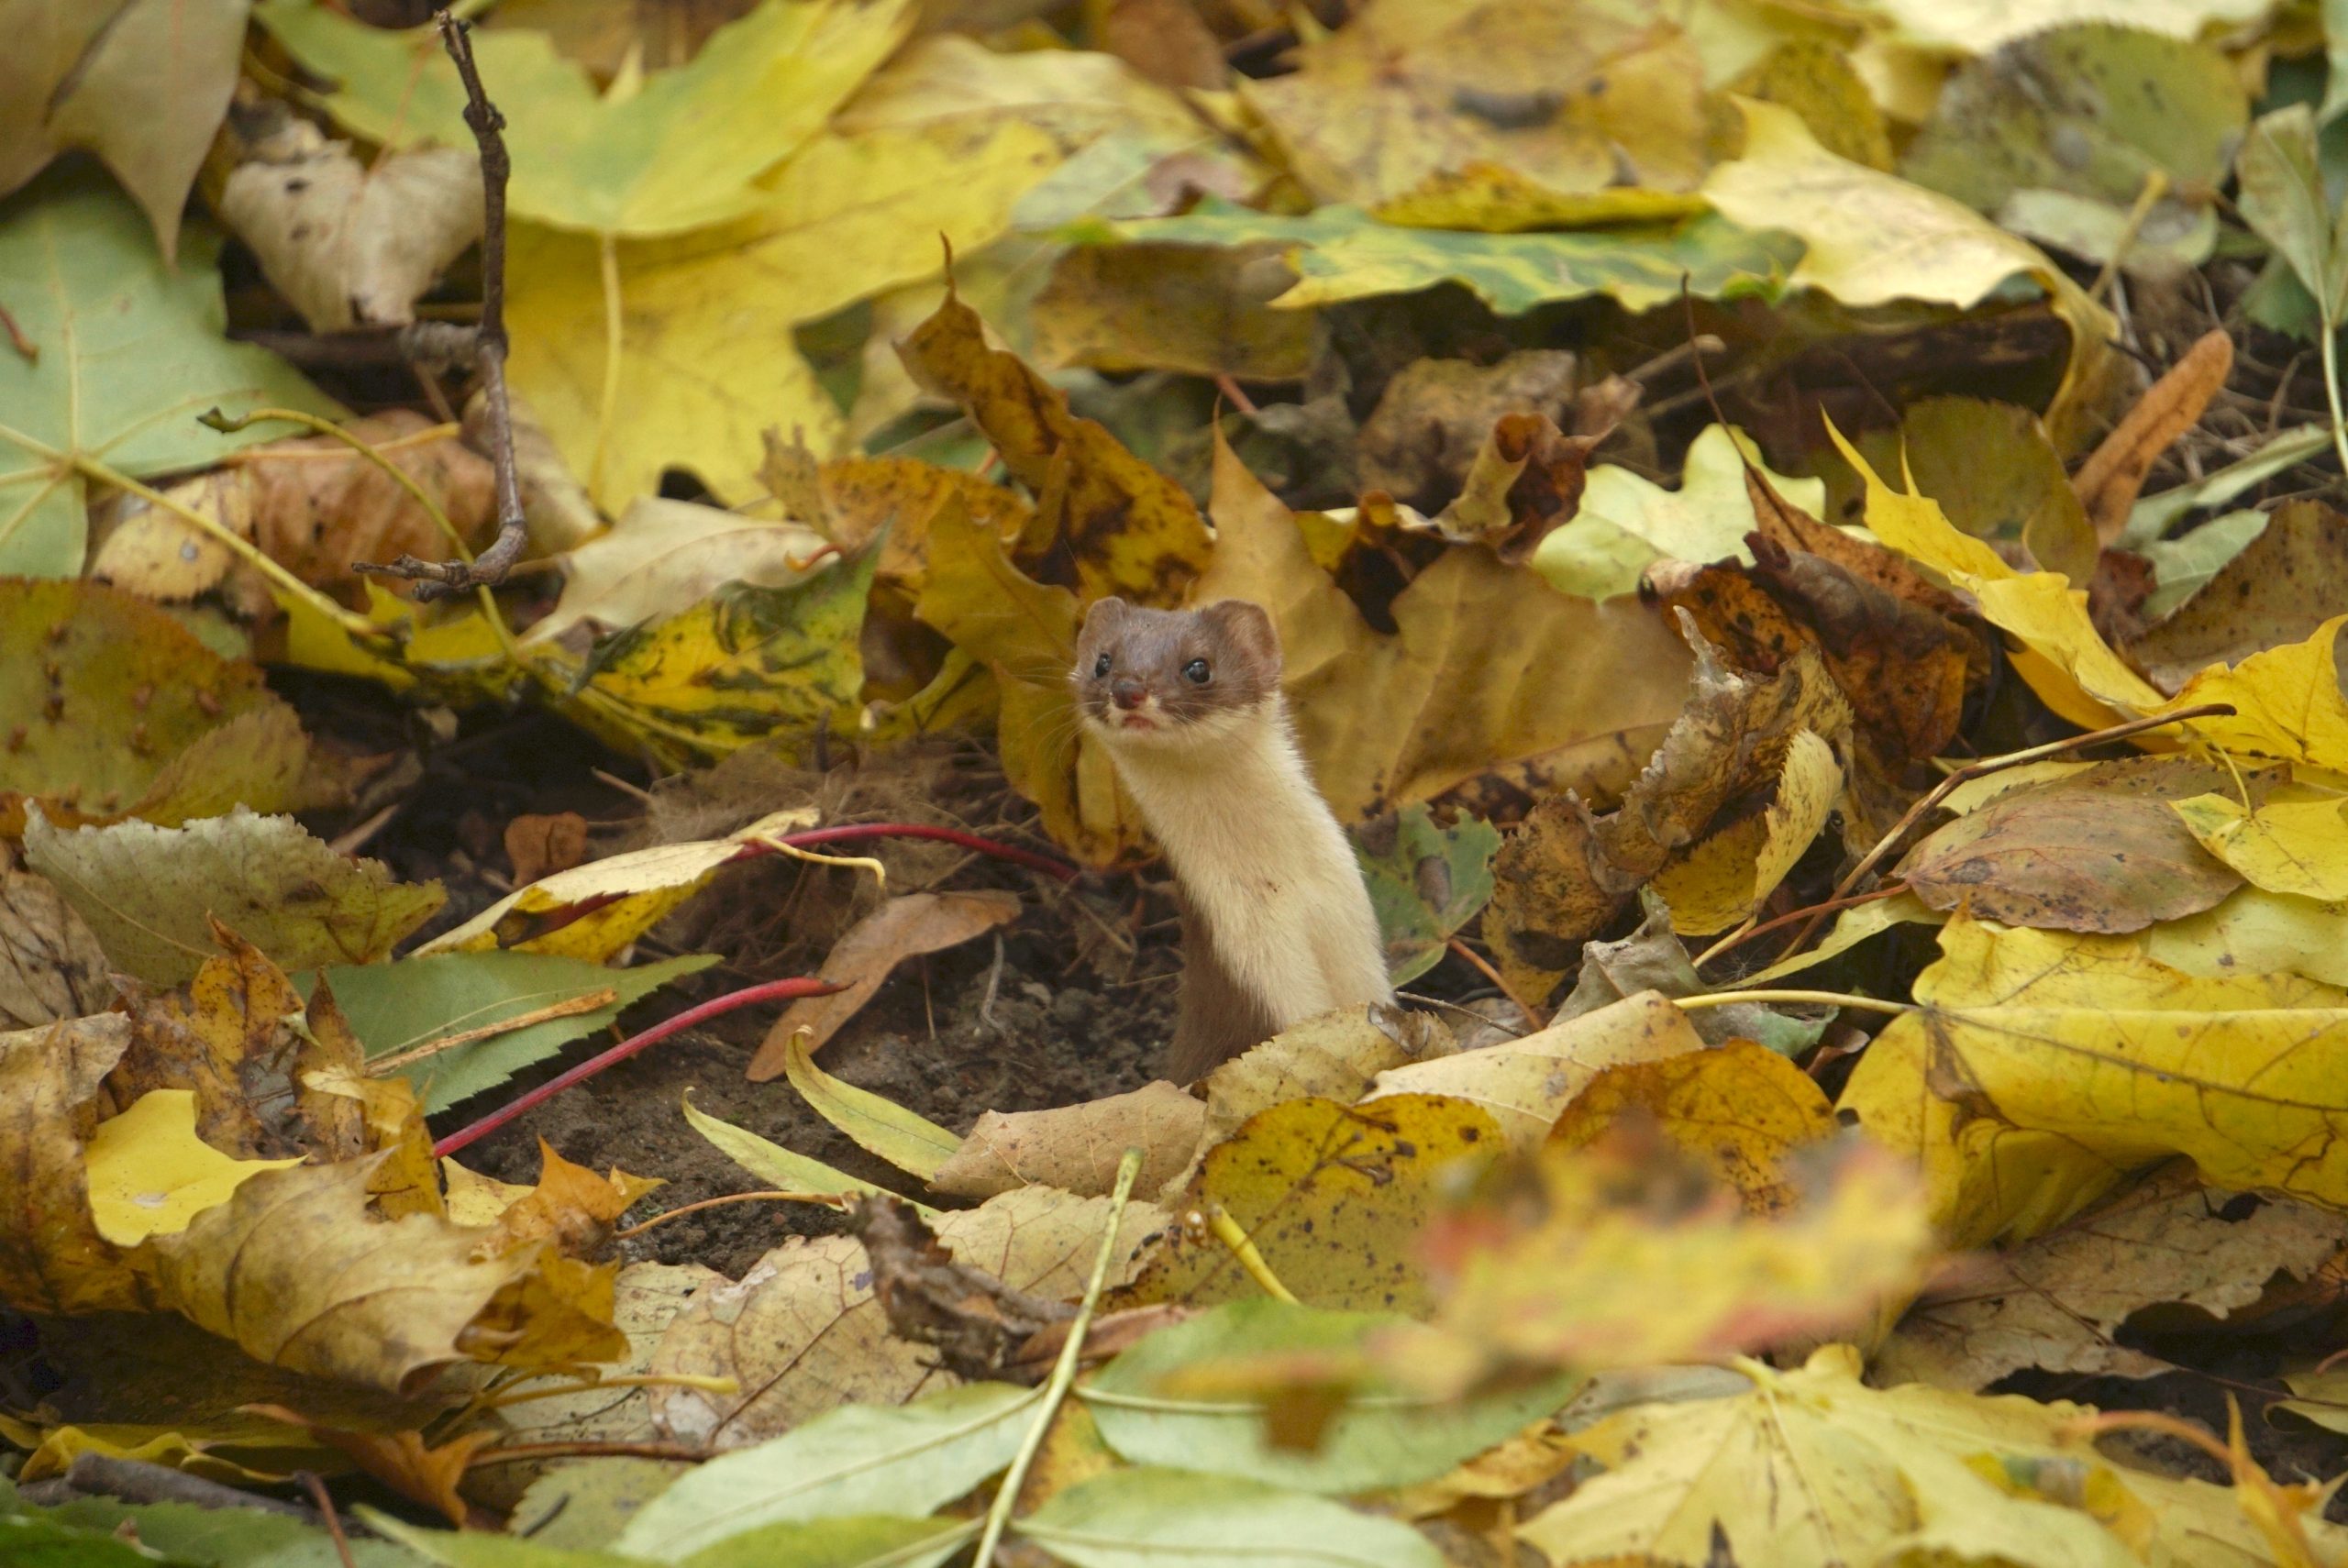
pixel 1127 693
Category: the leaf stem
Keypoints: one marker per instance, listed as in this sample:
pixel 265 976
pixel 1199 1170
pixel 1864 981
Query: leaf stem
pixel 1063 1370
pixel 1828 999
pixel 772 991
pixel 2331 392
pixel 849 833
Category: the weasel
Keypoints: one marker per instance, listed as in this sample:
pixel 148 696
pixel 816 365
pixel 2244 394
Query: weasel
pixel 1277 925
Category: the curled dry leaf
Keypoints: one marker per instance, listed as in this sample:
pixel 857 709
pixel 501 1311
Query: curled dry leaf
pixel 50 966
pixel 908 924
pixel 352 245
pixel 2113 475
pixel 110 708
pixel 52 1257
pixel 1435 416
pixel 664 556
pixel 2058 1302
pixel 313 505
pixel 1076 1148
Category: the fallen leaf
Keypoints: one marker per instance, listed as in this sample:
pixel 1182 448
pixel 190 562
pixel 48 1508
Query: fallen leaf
pixel 664 556
pixel 1076 1148
pixel 1723 879
pixel 906 1139
pixel 150 893
pixel 2288 700
pixel 1866 1473
pixel 539 845
pixel 131 352
pixel 1625 522
pixel 2108 482
pixel 2282 198
pixel 1653 959
pixel 352 245
pixel 1436 415
pixel 800 1332
pixel 771 1162
pixel 1493 198
pixel 1190 309
pixel 1340 253
pixel 313 505
pixel 1996 476
pixel 1425 883
pixel 1334 1057
pixel 2058 1302
pixel 905 925
pixel 1523 1083
pixel 1147 1512
pixel 2299 847
pixel 52 968
pixel 591 911
pixel 2102 850
pixel 2124 106
pixel 1323 1190
pixel 142 85
pixel 1872 239
pixel 52 1256
pixel 2279 589
pixel 1740 1109
pixel 2047 1064
pixel 1573 98
pixel 148 1173
pixel 110 710
pixel 681 151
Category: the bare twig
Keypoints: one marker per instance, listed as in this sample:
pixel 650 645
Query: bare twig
pixel 438 580
pixel 318 1494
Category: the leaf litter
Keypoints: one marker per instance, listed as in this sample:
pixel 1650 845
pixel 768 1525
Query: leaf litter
pixel 1807 555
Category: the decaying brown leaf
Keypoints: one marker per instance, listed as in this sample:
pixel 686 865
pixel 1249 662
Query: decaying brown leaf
pixel 1076 1148
pixel 2109 480
pixel 908 924
pixel 1435 414
pixel 2284 585
pixel 52 1257
pixel 50 967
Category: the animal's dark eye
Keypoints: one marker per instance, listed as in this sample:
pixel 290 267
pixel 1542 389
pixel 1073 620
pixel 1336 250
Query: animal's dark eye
pixel 1195 672
pixel 1101 666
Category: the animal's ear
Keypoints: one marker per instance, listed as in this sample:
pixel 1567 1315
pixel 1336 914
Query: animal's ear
pixel 1249 632
pixel 1105 614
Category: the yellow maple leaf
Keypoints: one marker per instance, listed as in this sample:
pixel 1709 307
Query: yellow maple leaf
pixel 149 1173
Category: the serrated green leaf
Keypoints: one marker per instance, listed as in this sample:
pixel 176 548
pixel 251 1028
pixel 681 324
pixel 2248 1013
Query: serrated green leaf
pixel 398 1007
pixel 1150 1518
pixel 857 1459
pixel 175 1533
pixel 131 351
pixel 1379 1438
pixel 1341 253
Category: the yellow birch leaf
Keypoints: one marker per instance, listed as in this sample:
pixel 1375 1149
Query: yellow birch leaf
pixel 149 1173
pixel 2045 1065
pixel 622 896
pixel 705 361
pixel 2299 847
pixel 1723 879
pixel 907 1141
pixel 1873 238
pixel 2288 702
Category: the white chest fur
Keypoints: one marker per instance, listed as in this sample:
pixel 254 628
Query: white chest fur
pixel 1263 863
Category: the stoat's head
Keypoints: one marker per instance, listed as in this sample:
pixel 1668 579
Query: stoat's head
pixel 1174 676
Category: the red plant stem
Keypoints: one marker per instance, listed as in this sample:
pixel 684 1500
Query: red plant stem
pixel 853 831
pixel 748 996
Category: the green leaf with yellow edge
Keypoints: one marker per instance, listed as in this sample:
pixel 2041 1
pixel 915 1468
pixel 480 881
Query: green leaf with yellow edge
pixel 1570 95
pixel 128 351
pixel 2045 1065
pixel 1873 1476
pixel 1626 521
pixel 1872 239
pixel 1025 633
pixel 703 363
pixel 453 654
pixel 116 711
pixel 907 1141
pixel 745 664
pixel 1123 528
pixel 2073 669
pixel 151 894
pixel 1325 1191
pixel 2299 847
pixel 1491 198
pixel 622 896
pixel 1741 1109
pixel 1341 253
pixel 149 1173
pixel 1523 1083
pixel 1181 1398
pixel 1721 881
pixel 680 152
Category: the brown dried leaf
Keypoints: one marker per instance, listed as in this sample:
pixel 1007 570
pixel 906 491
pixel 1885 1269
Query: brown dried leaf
pixel 50 967
pixel 2109 480
pixel 540 846
pixel 52 1257
pixel 908 924
pixel 1435 416
pixel 1076 1147
pixel 1527 480
pixel 1196 310
pixel 2099 851
pixel 2282 587
pixel 2057 1301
